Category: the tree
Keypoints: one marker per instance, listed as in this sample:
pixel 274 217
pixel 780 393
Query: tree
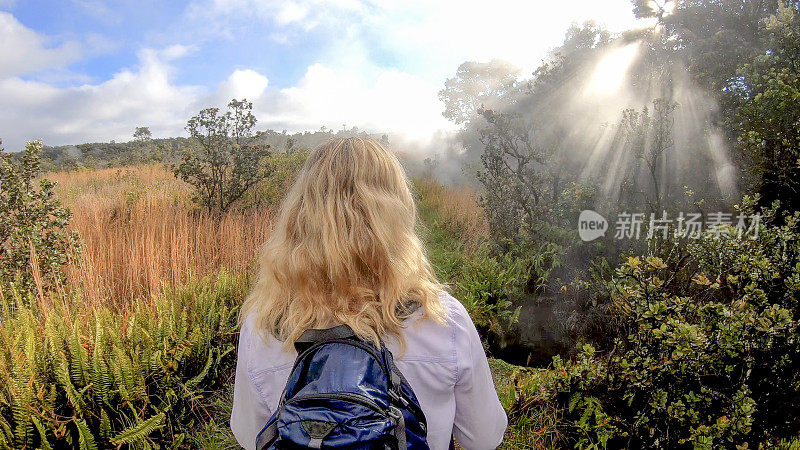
pixel 430 165
pixel 767 93
pixel 512 176
pixel 648 136
pixel 715 37
pixel 223 165
pixel 476 85
pixel 34 239
pixel 290 145
pixel 142 136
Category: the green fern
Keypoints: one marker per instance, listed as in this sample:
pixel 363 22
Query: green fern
pixel 140 431
pixel 85 437
pixel 44 444
pixel 140 370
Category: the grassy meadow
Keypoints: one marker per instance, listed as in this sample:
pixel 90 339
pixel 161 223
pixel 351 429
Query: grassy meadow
pixel 138 347
pixel 140 232
pixel 135 346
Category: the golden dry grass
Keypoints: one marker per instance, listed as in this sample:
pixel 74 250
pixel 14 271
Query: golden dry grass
pixel 139 231
pixel 458 209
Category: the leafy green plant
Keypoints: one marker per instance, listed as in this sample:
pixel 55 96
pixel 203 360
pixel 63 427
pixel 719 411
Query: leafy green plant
pixel 34 239
pixel 485 283
pixel 767 117
pixel 102 377
pixel 708 351
pixel 487 286
pixel 527 396
pixel 223 167
pixel 272 190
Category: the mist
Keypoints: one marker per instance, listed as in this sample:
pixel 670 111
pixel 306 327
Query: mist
pixel 580 109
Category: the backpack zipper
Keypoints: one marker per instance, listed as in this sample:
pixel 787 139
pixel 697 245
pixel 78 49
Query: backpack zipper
pixel 345 396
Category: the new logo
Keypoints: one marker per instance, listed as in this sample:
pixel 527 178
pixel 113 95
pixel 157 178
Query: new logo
pixel 591 225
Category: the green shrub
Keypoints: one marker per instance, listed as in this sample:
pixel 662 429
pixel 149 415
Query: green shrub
pixel 272 190
pixel 545 406
pixel 487 286
pixel 224 165
pixel 527 396
pixel 77 377
pixel 708 352
pixel 34 239
pixel 485 283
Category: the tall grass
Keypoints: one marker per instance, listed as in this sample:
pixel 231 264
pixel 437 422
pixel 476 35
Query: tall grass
pixel 456 209
pixel 140 232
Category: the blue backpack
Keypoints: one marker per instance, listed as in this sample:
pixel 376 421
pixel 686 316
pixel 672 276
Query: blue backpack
pixel 344 393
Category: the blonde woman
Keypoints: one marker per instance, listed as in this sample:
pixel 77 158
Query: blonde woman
pixel 344 251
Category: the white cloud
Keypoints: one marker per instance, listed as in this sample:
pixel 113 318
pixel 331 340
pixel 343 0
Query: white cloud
pixel 291 12
pixel 431 37
pixel 240 84
pixel 144 95
pixel 389 101
pixel 23 51
pixel 347 85
pixel 176 51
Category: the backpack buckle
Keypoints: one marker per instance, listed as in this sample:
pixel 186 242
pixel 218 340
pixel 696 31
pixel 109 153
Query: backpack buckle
pixel 400 426
pixel 397 397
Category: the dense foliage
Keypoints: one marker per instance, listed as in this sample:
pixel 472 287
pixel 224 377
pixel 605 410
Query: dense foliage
pixel 698 339
pixel 142 150
pixel 767 91
pixel 34 239
pixel 708 351
pixel 226 165
pixel 701 345
pixel 270 191
pixel 103 378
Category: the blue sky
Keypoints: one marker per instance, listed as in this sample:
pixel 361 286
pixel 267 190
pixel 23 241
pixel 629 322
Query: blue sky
pixel 74 71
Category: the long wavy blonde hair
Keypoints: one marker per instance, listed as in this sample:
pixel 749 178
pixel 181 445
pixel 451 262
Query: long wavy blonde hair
pixel 344 249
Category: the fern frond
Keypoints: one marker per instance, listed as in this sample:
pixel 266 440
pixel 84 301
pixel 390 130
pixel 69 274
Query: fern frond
pixel 74 398
pixel 78 357
pixel 85 437
pixel 44 444
pixel 105 425
pixel 140 431
pixel 191 384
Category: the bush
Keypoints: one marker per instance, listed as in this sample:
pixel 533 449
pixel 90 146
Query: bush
pixel 271 191
pixel 34 239
pixel 225 166
pixel 527 396
pixel 103 378
pixel 487 286
pixel 485 283
pixel 708 352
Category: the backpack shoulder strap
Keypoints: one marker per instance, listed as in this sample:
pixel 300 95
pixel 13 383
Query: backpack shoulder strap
pixel 315 336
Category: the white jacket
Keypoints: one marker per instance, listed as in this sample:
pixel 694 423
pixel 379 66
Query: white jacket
pixel 444 364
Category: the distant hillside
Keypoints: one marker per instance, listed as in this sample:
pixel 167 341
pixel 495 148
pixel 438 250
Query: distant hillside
pixel 119 154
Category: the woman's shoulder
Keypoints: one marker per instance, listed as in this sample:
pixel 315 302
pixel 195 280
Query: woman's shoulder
pixel 426 338
pixel 265 353
pixel 261 350
pixel 458 319
pixel 454 307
